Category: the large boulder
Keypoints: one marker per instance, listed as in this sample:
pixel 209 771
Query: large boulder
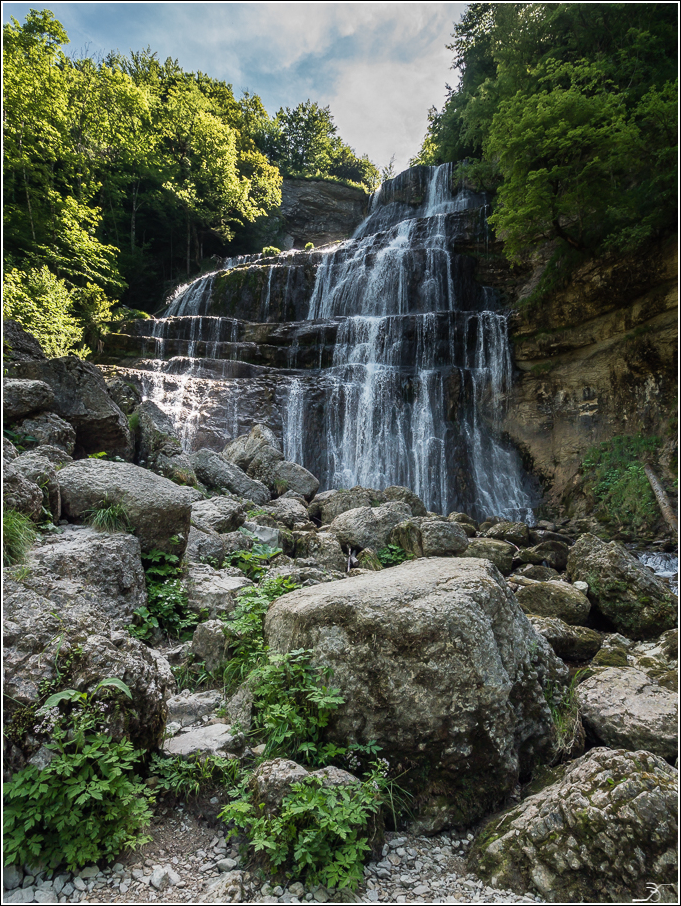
pixel 368 526
pixel 272 780
pixel 289 476
pixel 244 448
pixel 160 448
pixel 436 662
pixel 96 568
pixel 571 643
pixel 329 504
pixel 205 545
pixel 219 474
pixel 404 495
pixel 624 708
pixel 49 429
pixel 213 591
pixel 42 634
pixel 187 708
pixel 41 471
pixel 291 512
pixel 209 645
pixel 158 510
pixel 603 833
pixel 553 554
pixel 22 397
pixel 499 552
pixel 21 494
pixel 18 344
pixel 554 599
pixel 81 398
pixel 514 532
pixel 430 537
pixel 323 547
pixel 635 601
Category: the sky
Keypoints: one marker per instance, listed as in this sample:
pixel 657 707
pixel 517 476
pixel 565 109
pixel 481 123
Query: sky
pixel 379 66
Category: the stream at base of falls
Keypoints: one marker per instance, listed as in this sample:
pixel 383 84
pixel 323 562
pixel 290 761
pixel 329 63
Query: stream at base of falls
pixel 409 390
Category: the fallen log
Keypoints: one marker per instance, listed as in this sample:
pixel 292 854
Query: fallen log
pixel 663 500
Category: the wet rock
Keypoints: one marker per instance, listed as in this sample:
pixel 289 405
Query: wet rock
pixel 624 708
pixel 50 430
pixel 82 399
pixel 498 552
pixel 187 708
pixel 602 833
pixel 212 591
pixel 572 643
pixel 157 509
pixel 209 644
pixel 38 469
pixel 22 397
pixel 637 603
pixel 429 656
pixel 514 532
pixel 221 514
pixel 124 393
pixel 368 526
pixel 97 568
pixel 555 599
pixel 219 474
pixel 159 447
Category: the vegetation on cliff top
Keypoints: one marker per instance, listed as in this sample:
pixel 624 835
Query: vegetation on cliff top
pixel 568 111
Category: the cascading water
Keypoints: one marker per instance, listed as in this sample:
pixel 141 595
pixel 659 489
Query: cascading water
pixel 405 380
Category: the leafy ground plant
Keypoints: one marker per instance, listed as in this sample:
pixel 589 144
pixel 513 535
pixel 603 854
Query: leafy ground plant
pixel 167 607
pixel 564 710
pixel 254 562
pixel 190 777
pixel 18 534
pixel 88 803
pixel 320 835
pixel 108 517
pixel 392 555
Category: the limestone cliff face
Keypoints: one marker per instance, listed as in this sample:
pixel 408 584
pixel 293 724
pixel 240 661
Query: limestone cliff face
pixel 319 212
pixel 595 360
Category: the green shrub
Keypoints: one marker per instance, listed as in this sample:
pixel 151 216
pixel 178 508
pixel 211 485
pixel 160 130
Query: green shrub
pixel 309 246
pixel 252 562
pixel 88 803
pixel 108 517
pixel 43 305
pixel 270 250
pixel 134 421
pixel 320 835
pixel 167 607
pixel 18 534
pixel 393 555
pixel 189 778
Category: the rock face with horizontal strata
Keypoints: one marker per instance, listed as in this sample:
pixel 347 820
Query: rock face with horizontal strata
pixel 600 834
pixel 436 662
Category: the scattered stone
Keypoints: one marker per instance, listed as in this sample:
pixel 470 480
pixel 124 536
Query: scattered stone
pixel 554 599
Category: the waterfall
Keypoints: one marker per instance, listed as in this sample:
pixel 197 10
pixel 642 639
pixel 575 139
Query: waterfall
pixel 397 372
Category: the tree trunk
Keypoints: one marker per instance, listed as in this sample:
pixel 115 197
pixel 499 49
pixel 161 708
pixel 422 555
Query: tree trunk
pixel 663 500
pixel 189 242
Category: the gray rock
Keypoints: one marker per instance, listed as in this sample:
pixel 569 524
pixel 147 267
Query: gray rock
pixel 100 569
pixel 272 780
pixel 624 708
pixel 38 469
pixel 636 602
pixel 554 599
pixel 553 554
pixel 319 212
pixel 500 553
pixel 214 739
pixel 21 494
pixel 124 393
pixel 209 644
pixel 573 643
pixel 264 534
pixel 158 509
pixel 404 495
pixel 21 397
pixel 368 526
pixel 441 538
pixel 38 626
pixel 60 882
pixel 323 547
pixel 9 452
pixel 50 430
pixel 514 532
pixel 239 708
pixel 212 591
pixel 291 512
pixel 429 656
pixel 221 514
pixel 542 574
pixel 18 344
pixel 227 888
pixel 42 758
pixel 187 707
pixel 292 477
pixel 81 398
pixel 329 504
pixel 219 474
pixel 205 544
pixel 20 895
pixel 45 895
pixel 227 864
pixel 602 833
pixel 159 446
pixel 12 877
pixel 244 448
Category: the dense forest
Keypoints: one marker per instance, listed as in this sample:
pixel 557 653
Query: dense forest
pixel 125 174
pixel 568 111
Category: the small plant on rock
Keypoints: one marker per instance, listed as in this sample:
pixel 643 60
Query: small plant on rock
pixel 18 534
pixel 108 517
pixel 184 777
pixel 270 250
pixel 253 563
pixel 167 607
pixel 393 555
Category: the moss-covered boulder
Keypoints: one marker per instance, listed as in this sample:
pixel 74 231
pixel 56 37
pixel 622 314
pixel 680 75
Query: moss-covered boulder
pixel 602 833
pixel 554 599
pixel 635 601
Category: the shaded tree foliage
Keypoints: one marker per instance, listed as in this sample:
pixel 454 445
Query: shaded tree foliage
pixel 568 110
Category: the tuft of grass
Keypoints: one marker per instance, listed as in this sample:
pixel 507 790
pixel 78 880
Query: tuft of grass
pixel 18 534
pixel 134 421
pixel 108 517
